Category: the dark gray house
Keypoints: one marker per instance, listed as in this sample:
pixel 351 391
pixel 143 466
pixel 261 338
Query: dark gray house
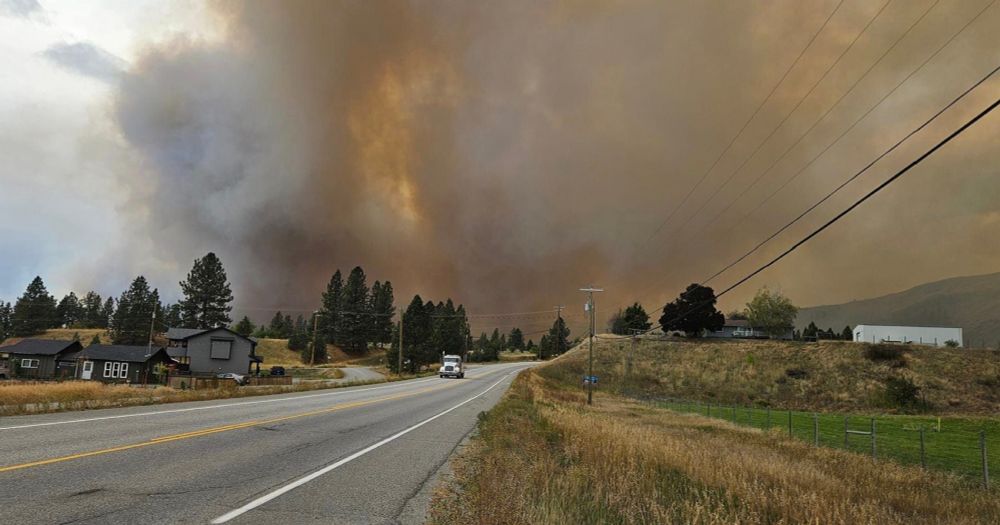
pixel 44 358
pixel 121 363
pixel 212 351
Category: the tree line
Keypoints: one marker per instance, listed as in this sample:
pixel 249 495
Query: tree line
pixel 137 313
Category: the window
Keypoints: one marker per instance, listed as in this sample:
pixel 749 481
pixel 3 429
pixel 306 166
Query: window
pixel 221 348
pixel 29 363
pixel 115 370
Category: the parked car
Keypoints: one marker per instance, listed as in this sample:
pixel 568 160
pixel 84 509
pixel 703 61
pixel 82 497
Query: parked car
pixel 277 370
pixel 239 379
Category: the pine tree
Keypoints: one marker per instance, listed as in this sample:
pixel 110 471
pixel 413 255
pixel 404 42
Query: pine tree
pixel 245 327
pixel 276 329
pixel 69 311
pixel 847 334
pixel 299 340
pixel 173 316
pixel 417 330
pixel 133 318
pixel 558 339
pixel 96 340
pixel 35 311
pixel 382 311
pixel 530 347
pixel 355 324
pixel 329 320
pixel 107 313
pixel 516 340
pixel 6 321
pixel 207 295
pixel 544 347
pixel 90 316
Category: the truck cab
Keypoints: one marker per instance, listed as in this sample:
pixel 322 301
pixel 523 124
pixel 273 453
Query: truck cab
pixel 452 366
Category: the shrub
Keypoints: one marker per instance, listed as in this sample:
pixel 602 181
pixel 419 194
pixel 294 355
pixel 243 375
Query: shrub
pixel 902 392
pixel 885 352
pixel 796 373
pixel 951 343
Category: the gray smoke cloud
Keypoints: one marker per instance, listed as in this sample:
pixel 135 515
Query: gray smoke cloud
pixel 507 153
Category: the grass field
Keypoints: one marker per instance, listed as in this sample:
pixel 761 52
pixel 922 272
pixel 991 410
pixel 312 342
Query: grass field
pixel 315 373
pixel 543 456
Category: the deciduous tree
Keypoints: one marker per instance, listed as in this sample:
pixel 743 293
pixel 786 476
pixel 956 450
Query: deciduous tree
pixel 771 312
pixel 693 312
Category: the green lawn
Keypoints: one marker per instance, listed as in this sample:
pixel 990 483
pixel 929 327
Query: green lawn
pixel 950 443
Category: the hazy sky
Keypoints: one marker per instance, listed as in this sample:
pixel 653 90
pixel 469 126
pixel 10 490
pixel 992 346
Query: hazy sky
pixel 501 153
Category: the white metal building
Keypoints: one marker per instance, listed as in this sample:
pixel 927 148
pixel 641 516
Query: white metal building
pixel 922 335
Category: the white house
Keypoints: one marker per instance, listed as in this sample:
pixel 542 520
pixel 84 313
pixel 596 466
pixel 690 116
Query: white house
pixel 921 335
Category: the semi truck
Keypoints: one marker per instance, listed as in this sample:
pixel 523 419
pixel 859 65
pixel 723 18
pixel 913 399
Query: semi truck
pixel 452 366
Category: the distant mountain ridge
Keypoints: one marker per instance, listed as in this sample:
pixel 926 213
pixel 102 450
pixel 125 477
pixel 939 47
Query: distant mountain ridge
pixel 972 303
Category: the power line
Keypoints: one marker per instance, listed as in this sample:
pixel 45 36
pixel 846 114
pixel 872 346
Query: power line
pixel 785 119
pixel 856 175
pixel 852 126
pixel 843 213
pixel 760 106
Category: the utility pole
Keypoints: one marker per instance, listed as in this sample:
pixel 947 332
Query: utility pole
pixel 399 369
pixel 152 324
pixel 590 308
pixel 559 349
pixel 628 360
pixel 312 355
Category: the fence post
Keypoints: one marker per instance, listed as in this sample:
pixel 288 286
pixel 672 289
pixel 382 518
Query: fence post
pixel 734 414
pixel 816 429
pixel 846 444
pixel 769 418
pixel 873 439
pixel 789 422
pixel 923 455
pixel 986 466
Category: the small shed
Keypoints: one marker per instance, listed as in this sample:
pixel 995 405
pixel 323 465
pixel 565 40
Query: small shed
pixel 122 363
pixel 43 358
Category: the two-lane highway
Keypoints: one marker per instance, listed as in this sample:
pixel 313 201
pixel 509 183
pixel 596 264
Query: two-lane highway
pixel 352 455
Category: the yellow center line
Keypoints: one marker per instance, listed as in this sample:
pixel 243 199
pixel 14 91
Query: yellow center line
pixel 223 428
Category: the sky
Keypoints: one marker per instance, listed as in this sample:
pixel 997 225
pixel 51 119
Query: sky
pixel 503 154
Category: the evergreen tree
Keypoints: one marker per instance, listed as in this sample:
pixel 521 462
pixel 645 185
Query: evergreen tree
pixel 96 340
pixel 516 339
pixel 245 327
pixel 69 311
pixel 355 326
pixel 6 321
pixel 448 329
pixel 207 295
pixel 173 316
pixel 624 322
pixel 107 313
pixel 35 311
pixel 544 347
pixel 557 340
pixel 530 347
pixel 417 331
pixel 287 327
pixel 276 328
pixel 382 310
pixel 847 334
pixel 299 340
pixel 133 318
pixel 90 316
pixel 810 331
pixel 693 312
pixel 330 312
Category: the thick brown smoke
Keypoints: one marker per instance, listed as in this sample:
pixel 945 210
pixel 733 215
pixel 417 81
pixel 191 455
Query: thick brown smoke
pixel 507 153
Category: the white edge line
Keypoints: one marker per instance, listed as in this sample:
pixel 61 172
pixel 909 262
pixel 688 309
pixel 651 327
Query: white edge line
pixel 306 479
pixel 340 391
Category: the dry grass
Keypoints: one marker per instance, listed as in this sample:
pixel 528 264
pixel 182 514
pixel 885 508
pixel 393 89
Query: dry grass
pixel 543 457
pixel 17 398
pixel 832 375
pixel 276 352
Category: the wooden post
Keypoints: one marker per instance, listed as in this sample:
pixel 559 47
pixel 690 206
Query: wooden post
pixel 874 455
pixel 923 455
pixel 789 422
pixel 816 429
pixel 846 444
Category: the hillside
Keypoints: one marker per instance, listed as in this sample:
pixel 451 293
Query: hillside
pixel 825 376
pixel 972 303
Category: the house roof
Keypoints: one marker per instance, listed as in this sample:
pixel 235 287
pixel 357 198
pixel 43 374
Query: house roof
pixel 180 334
pixel 183 334
pixel 131 354
pixel 42 347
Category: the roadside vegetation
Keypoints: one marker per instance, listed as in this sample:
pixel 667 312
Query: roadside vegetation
pixel 543 456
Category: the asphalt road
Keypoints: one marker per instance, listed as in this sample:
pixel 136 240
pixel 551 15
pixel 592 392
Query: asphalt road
pixel 351 455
